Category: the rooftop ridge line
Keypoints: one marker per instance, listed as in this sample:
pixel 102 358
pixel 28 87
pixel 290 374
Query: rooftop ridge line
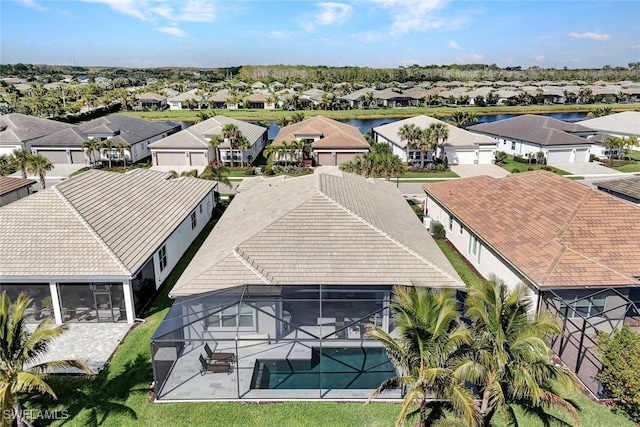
pixel 254 270
pixel 91 231
pixel 390 238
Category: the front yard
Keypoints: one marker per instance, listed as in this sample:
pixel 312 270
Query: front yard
pixel 119 396
pixel 514 167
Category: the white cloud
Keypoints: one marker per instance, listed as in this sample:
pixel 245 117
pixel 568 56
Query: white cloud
pixel 419 15
pixel 328 13
pixel 172 31
pixel 539 58
pixel 174 10
pixel 474 58
pixel 32 5
pixel 591 36
pixel 454 45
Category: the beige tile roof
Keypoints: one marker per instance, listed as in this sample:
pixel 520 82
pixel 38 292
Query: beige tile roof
pixel 96 223
pixel 334 134
pixel 555 231
pixel 317 229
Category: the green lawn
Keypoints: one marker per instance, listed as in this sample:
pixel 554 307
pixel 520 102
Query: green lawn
pixel 119 396
pixel 462 267
pixel 510 165
pixel 434 174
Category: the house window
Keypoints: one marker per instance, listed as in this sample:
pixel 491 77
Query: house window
pixel 193 219
pixel 237 316
pixel 450 223
pixel 585 307
pixel 513 145
pixel 460 225
pixel 200 207
pixel 474 247
pixel 163 257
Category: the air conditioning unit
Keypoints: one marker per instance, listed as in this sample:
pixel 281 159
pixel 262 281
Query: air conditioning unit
pixel 433 225
pixel 427 222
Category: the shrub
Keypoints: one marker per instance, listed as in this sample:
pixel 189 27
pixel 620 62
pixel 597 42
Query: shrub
pixel 620 375
pixel 592 157
pixel 520 159
pixel 438 231
pixel 515 170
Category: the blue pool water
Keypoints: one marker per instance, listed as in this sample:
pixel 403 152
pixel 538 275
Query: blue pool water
pixel 342 368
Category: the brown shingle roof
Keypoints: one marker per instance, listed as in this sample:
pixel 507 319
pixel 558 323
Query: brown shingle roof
pixel 9 184
pixel 555 231
pixel 334 134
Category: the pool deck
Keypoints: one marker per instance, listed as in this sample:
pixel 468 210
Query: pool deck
pixel 185 383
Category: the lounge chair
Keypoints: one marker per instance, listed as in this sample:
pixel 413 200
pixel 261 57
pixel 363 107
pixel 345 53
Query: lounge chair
pixel 213 367
pixel 218 357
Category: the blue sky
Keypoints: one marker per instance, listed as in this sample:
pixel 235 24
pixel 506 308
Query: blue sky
pixel 376 33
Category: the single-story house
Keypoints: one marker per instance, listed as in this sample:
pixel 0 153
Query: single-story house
pixel 13 188
pixel 329 142
pixel 191 147
pixel 95 247
pixel 560 239
pixel 624 124
pixel 185 101
pixel 149 101
pixel 18 130
pixel 135 135
pixel 284 287
pixel 624 188
pixel 561 142
pixel 461 147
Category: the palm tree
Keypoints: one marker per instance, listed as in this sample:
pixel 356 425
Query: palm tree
pixel 510 358
pixel 460 118
pixel 39 165
pixel 242 144
pixel 284 152
pixel 630 142
pixel 440 133
pixel 283 121
pixel 431 337
pixel 90 146
pixel 409 133
pixel 215 142
pixel 6 166
pixel 20 353
pixel 298 146
pixel 216 171
pixel 107 146
pixel 231 133
pixel 297 117
pixel 121 149
pixel 426 141
pixel 271 150
pixel 19 159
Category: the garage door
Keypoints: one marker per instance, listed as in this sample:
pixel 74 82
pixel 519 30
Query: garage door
pixel 78 158
pixel 325 159
pixel 486 157
pixel 460 157
pixel 582 155
pixel 559 156
pixel 198 158
pixel 170 159
pixel 344 157
pixel 56 156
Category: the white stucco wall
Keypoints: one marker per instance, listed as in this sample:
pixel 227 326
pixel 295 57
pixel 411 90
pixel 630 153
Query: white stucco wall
pixel 181 238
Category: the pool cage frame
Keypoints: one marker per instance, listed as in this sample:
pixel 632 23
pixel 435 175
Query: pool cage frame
pixel 262 324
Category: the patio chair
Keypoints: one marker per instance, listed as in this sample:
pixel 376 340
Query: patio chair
pixel 218 357
pixel 213 367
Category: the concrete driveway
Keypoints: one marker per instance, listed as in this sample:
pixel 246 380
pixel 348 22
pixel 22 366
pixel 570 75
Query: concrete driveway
pixel 492 170
pixel 585 168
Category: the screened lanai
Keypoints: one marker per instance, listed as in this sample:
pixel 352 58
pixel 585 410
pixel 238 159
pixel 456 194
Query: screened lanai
pixel 273 342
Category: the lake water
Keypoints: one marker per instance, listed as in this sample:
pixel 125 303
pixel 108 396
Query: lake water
pixel 365 125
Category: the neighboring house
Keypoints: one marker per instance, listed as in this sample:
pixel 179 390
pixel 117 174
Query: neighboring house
pixel 574 247
pixel 185 101
pixel 561 142
pixel 287 281
pixel 256 100
pixel 191 147
pixel 134 134
pixel 330 142
pixel 623 124
pixel 625 188
pixel 18 130
pixel 12 189
pixel 461 147
pixel 95 247
pixel 150 101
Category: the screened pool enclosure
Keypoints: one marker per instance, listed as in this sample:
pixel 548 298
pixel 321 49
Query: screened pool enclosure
pixel 273 342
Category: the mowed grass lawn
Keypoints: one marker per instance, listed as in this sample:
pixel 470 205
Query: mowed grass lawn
pixel 511 165
pixel 632 167
pixel 119 396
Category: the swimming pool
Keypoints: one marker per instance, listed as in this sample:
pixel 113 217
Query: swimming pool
pixel 328 368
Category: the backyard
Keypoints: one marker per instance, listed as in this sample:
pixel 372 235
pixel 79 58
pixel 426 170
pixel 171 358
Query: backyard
pixel 119 396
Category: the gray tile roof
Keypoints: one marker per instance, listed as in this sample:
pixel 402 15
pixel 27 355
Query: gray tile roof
pixel 16 127
pixel 95 224
pixel 541 130
pixel 626 186
pixel 131 130
pixel 457 137
pixel 71 137
pixel 198 135
pixel 625 123
pixel 317 229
